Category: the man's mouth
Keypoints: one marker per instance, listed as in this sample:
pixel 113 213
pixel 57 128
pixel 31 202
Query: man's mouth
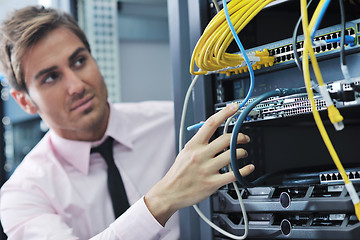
pixel 82 104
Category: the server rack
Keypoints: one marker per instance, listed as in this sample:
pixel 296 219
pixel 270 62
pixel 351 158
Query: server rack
pixel 304 200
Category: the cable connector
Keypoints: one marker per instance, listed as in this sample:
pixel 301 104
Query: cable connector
pixel 335 117
pixel 334 114
pixel 354 198
pixel 349 40
pixel 257 60
pixel 314 86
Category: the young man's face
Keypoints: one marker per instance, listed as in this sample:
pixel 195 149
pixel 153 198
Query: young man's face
pixel 65 87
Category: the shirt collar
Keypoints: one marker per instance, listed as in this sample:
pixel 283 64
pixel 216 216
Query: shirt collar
pixel 118 127
pixel 77 153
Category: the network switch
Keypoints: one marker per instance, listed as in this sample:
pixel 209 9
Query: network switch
pixel 294 105
pixel 335 177
pixel 280 43
pixel 288 211
pixel 285 53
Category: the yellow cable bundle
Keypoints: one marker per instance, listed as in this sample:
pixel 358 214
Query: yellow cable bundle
pixel 263 60
pixel 308 50
pixel 209 53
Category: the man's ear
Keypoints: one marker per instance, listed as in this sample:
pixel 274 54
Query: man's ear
pixel 24 100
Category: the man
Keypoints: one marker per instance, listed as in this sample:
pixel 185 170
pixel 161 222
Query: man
pixel 59 191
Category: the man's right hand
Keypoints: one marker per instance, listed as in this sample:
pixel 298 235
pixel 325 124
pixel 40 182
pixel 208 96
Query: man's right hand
pixel 195 174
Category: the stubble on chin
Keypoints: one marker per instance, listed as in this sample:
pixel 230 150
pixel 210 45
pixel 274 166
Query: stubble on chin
pixel 89 110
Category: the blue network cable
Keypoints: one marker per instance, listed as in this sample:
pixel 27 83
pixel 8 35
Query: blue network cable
pixel 318 21
pixel 348 40
pixel 248 63
pixel 237 40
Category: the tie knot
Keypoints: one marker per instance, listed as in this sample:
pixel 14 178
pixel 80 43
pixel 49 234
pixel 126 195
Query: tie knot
pixel 105 149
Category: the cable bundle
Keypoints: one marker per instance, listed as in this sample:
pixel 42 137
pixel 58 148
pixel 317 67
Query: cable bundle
pixel 210 54
pixel 334 115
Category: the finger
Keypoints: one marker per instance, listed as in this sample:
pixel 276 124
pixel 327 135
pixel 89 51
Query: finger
pixel 212 123
pixel 223 159
pixel 229 177
pixel 244 171
pixel 223 142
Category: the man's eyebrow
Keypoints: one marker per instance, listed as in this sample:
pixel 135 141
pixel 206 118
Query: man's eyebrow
pixel 44 71
pixel 75 53
pixel 71 58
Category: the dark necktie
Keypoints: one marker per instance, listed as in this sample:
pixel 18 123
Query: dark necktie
pixel 115 183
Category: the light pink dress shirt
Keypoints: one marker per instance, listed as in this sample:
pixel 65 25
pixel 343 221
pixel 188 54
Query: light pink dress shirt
pixel 59 190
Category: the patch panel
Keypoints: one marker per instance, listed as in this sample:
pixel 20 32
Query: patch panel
pixel 294 105
pixel 279 107
pixel 283 52
pixel 335 177
pixel 286 53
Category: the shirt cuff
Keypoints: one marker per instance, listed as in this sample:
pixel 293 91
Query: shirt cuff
pixel 138 223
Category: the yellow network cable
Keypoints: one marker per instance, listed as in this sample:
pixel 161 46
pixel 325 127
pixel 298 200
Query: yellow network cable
pixel 334 114
pixel 264 60
pixel 210 54
pixel 308 50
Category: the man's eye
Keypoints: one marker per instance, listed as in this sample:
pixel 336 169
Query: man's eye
pixel 50 78
pixel 79 62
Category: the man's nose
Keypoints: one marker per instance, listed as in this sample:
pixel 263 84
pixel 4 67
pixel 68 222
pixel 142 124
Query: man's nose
pixel 74 83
